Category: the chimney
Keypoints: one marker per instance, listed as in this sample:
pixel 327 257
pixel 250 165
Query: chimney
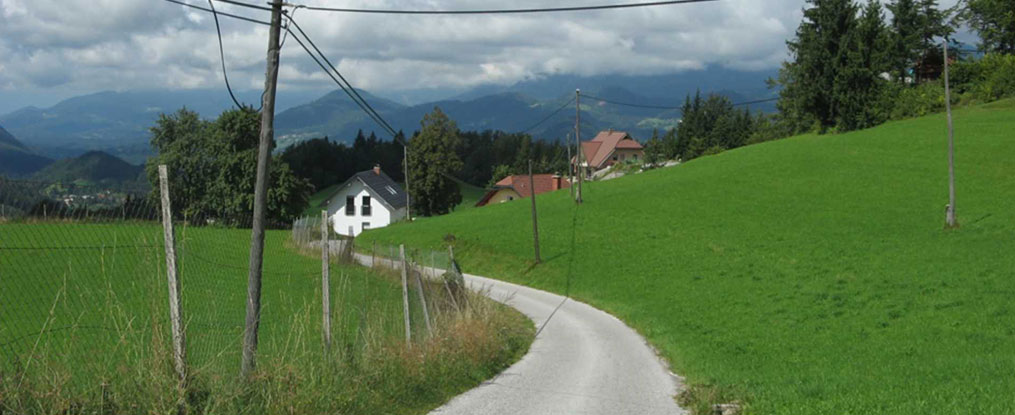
pixel 377 169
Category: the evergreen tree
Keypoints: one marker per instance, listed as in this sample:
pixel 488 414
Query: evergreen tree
pixel 818 55
pixel 860 89
pixel 915 26
pixel 432 164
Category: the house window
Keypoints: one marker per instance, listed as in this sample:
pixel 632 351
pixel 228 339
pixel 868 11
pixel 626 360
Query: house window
pixel 366 225
pixel 350 205
pixel 366 206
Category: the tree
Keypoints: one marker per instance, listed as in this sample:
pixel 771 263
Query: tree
pixel 212 164
pixel 993 21
pixel 654 149
pixel 915 26
pixel 860 89
pixel 818 56
pixel 432 164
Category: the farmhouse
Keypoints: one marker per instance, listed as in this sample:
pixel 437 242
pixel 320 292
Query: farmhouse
pixel 517 187
pixel 369 199
pixel 606 149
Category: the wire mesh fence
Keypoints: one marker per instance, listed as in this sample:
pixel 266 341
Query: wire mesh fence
pixel 83 286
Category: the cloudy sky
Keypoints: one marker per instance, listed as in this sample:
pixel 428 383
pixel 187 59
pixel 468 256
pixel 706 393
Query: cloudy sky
pixel 52 49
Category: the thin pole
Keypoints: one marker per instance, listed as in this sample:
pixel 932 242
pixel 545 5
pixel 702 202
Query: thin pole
pixel 950 212
pixel 405 294
pixel 422 300
pixel 325 283
pixel 175 317
pixel 253 319
pixel 405 159
pixel 578 142
pixel 535 225
pixel 570 173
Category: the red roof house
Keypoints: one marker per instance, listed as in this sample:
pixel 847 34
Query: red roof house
pixel 607 148
pixel 517 187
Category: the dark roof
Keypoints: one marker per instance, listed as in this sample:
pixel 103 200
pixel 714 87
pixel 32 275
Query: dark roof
pixel 379 183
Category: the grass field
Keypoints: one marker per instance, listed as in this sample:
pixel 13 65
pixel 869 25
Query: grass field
pixel 84 324
pixel 807 275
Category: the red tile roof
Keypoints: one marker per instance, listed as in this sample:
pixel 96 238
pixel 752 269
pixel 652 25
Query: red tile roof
pixel 598 150
pixel 520 183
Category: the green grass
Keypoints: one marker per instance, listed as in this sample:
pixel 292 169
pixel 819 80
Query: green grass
pixel 314 204
pixel 807 275
pixel 84 323
pixel 470 196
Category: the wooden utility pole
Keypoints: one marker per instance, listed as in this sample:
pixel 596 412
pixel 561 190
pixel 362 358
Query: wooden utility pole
pixel 405 159
pixel 578 143
pixel 570 170
pixel 253 319
pixel 405 293
pixel 950 210
pixel 535 225
pixel 175 317
pixel 325 284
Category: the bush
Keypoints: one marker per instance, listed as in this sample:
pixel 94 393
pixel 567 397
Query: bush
pixel 988 79
pixel 916 101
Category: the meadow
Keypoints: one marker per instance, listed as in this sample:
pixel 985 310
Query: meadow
pixel 808 275
pixel 84 327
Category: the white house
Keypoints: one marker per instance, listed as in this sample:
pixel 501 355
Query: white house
pixel 370 199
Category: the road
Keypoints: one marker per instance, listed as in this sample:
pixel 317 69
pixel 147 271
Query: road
pixel 583 361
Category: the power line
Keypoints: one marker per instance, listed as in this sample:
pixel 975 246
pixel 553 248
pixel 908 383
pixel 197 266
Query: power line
pixel 508 11
pixel 344 84
pixel 235 16
pixel 628 104
pixel 222 56
pixel 527 130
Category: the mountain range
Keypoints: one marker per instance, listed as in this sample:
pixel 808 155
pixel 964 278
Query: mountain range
pixel 118 122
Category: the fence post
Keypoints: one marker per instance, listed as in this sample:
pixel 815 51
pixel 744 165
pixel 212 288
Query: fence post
pixel 169 239
pixel 405 294
pixel 325 285
pixel 422 300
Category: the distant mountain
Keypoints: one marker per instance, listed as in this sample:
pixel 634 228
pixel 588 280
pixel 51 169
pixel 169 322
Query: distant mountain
pixel 16 160
pixel 119 122
pixel 93 167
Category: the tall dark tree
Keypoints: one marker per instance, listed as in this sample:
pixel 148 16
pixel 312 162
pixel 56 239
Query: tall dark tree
pixel 860 90
pixel 432 164
pixel 916 24
pixel 818 56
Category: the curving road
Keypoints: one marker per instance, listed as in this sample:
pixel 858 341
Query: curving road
pixel 583 361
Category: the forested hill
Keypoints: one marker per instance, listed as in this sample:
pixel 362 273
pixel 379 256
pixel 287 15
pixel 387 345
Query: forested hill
pixel 16 159
pixel 94 167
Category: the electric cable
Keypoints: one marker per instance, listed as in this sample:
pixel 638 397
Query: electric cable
pixel 222 57
pixel 507 11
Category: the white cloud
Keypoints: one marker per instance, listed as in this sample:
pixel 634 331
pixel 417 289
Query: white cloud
pixel 121 44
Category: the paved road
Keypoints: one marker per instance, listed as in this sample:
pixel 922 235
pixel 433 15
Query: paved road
pixel 583 361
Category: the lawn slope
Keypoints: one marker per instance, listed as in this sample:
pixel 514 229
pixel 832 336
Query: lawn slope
pixel 806 275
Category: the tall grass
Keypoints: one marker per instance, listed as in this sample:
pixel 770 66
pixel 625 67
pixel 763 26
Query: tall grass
pixel 98 339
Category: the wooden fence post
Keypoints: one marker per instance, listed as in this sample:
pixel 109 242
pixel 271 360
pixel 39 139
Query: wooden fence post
pixel 422 300
pixel 325 284
pixel 176 320
pixel 405 294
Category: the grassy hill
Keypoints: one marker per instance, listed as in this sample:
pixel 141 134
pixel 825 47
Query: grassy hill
pixel 92 167
pixel 806 275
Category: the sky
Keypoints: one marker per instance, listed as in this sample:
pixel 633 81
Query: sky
pixel 54 49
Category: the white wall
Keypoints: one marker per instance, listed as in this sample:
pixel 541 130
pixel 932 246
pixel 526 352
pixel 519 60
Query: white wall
pixel 379 217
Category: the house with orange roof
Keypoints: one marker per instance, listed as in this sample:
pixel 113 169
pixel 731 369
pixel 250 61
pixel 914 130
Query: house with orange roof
pixel 606 149
pixel 517 187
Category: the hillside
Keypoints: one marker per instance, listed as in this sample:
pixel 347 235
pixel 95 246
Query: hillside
pixel 806 275
pixel 17 160
pixel 91 167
